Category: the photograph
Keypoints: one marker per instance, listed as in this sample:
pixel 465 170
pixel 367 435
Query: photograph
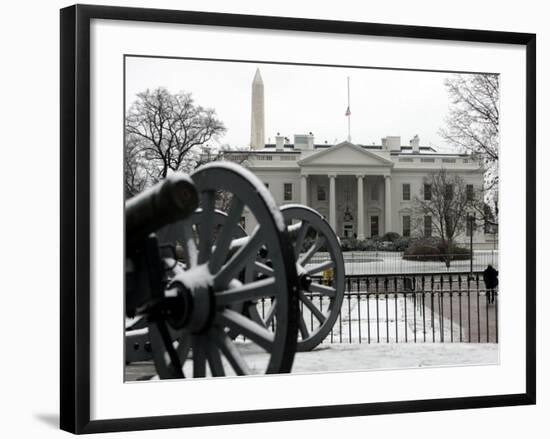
pixel 302 218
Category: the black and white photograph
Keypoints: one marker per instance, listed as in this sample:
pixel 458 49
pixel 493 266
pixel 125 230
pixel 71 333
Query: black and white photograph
pixel 300 218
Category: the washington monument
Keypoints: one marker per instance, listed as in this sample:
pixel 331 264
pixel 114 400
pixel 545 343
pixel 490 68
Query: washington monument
pixel 257 127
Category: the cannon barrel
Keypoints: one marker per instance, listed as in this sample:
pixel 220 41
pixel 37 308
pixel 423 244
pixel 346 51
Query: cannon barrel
pixel 172 199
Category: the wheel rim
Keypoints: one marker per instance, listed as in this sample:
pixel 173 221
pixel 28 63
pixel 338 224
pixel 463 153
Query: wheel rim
pixel 203 346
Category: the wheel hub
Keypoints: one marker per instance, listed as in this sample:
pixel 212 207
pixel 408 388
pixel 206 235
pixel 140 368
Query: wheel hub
pixel 304 280
pixel 195 285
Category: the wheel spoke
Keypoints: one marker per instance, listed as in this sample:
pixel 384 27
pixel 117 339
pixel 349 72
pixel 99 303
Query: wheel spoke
pixel 183 347
pixel 242 257
pixel 314 310
pixel 251 291
pixel 319 267
pixel 322 289
pixel 167 362
pixel 303 260
pixel 199 357
pixel 300 236
pixel 244 326
pixel 271 313
pixel 263 269
pixel 190 247
pixel 214 359
pixel 231 352
pixel 205 228
pixel 303 328
pixel 226 235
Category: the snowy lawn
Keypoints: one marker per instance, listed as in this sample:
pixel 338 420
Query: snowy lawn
pixel 371 262
pixel 338 357
pixel 355 356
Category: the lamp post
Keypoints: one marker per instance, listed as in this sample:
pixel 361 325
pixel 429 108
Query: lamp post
pixel 471 220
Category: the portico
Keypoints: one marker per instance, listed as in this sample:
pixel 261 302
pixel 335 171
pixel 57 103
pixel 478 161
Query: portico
pixel 348 186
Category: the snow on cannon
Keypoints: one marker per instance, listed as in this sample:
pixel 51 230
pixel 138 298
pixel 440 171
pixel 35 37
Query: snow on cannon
pixel 190 292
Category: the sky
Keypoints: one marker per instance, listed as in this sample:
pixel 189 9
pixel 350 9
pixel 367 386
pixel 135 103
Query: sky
pixel 303 99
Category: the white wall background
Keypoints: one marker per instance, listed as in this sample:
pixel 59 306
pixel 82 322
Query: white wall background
pixel 29 185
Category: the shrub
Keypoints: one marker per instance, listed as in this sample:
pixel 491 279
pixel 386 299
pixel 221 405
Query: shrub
pixel 348 244
pixel 432 249
pixel 422 252
pixel 391 237
pixel 387 246
pixel 401 244
pixel 458 253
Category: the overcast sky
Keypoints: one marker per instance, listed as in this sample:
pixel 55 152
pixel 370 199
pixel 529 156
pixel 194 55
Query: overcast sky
pixel 300 99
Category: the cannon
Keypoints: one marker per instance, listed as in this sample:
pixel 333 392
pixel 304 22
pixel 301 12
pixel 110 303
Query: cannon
pixel 189 306
pixel 213 299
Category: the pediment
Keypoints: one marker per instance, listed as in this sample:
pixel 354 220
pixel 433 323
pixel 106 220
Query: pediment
pixel 345 153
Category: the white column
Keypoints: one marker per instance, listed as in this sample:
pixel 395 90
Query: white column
pixel 387 204
pixel 303 187
pixel 332 202
pixel 360 209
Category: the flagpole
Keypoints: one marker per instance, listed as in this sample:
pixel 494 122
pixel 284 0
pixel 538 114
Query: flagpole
pixel 349 116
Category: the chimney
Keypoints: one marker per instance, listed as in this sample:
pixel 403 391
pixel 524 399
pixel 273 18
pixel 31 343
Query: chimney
pixel 415 143
pixel 310 141
pixel 279 142
pixel 393 143
pixel 303 141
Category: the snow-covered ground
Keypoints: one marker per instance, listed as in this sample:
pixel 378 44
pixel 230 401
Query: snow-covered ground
pixel 389 320
pixel 355 357
pixel 359 263
pixel 338 357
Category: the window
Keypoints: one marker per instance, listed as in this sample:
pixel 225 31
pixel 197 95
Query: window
pixel 470 192
pixel 427 226
pixel 427 192
pixel 321 193
pixel 374 192
pixel 448 191
pixel 288 191
pixel 374 225
pixel 406 225
pixel 406 192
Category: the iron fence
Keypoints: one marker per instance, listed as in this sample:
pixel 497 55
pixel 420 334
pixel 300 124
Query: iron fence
pixel 419 308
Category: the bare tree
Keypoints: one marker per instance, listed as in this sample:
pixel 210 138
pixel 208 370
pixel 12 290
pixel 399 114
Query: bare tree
pixel 448 204
pixel 135 168
pixel 473 120
pixel 224 153
pixel 168 127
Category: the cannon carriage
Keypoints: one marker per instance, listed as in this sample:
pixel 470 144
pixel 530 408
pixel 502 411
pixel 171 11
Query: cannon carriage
pixel 203 298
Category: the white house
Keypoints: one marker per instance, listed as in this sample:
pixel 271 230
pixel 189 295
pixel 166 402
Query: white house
pixel 363 190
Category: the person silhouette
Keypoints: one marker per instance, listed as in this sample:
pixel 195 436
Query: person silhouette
pixel 490 277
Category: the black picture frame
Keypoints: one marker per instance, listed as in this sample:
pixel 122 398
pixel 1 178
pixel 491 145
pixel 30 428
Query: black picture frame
pixel 75 217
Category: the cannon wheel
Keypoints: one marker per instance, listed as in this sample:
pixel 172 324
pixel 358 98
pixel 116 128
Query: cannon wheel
pixel 213 277
pixel 137 334
pixel 319 303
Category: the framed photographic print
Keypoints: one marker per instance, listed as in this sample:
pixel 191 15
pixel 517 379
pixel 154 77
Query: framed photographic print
pixel 277 217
